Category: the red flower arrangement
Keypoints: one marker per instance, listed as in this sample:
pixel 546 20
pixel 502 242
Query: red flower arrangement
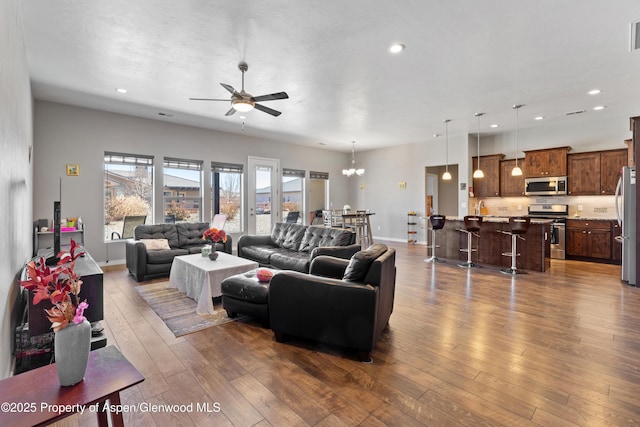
pixel 59 284
pixel 214 235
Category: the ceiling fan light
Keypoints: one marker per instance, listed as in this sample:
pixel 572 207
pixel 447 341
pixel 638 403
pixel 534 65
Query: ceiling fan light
pixel 516 171
pixel 446 176
pixel 478 174
pixel 242 105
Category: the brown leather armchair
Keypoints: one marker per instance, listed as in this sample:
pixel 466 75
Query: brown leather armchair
pixel 345 303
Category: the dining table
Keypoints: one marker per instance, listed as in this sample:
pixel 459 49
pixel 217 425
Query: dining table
pixel 361 223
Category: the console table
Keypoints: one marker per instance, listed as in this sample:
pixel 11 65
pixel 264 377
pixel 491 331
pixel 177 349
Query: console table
pixel 35 398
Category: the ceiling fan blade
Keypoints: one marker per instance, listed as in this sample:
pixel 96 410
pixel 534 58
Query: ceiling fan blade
pixel 271 97
pixel 228 87
pixel 267 110
pixel 207 99
pixel 230 112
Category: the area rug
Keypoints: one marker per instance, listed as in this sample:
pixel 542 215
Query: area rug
pixel 178 311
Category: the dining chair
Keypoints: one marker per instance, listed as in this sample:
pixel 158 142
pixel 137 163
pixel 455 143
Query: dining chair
pixel 128 225
pixel 292 217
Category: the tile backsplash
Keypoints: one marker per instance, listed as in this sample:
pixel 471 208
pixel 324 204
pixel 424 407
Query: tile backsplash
pixel 597 207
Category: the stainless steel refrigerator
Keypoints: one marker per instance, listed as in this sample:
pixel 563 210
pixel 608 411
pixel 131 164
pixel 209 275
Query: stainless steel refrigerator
pixel 626 213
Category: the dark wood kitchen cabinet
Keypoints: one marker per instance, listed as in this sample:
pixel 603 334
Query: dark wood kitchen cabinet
pixel 584 173
pixel 595 173
pixel 543 163
pixel 588 239
pixel 611 163
pixel 489 186
pixel 511 186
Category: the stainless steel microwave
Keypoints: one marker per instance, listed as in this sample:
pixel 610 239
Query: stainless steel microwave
pixel 546 186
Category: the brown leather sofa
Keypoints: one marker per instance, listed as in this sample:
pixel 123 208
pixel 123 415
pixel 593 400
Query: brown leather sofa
pixel 345 303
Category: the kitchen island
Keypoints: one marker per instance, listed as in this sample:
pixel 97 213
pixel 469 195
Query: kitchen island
pixel 534 251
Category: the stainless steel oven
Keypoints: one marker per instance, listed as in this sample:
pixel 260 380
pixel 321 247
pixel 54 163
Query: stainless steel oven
pixel 558 216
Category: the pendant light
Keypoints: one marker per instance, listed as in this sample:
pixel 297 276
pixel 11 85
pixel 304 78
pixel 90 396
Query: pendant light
pixel 351 171
pixel 478 172
pixel 446 176
pixel 516 171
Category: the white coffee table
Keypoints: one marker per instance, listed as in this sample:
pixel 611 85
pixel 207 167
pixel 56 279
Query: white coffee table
pixel 200 278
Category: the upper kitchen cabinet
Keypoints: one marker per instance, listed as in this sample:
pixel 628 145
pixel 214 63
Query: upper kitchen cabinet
pixel 630 148
pixel 611 163
pixel 543 163
pixel 511 186
pixel 489 186
pixel 583 173
pixel 595 173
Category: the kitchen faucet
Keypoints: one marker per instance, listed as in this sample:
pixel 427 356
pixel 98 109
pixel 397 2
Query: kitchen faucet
pixel 479 207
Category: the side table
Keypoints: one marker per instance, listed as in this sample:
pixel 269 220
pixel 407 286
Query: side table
pixel 35 398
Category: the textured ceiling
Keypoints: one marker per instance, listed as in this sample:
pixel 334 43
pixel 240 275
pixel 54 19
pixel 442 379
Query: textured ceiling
pixel 331 57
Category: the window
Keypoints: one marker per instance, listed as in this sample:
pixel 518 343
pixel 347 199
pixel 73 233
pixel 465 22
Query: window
pixel 128 190
pixel 318 194
pixel 226 194
pixel 182 189
pixel 293 194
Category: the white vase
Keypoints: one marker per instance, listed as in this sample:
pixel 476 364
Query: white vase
pixel 72 346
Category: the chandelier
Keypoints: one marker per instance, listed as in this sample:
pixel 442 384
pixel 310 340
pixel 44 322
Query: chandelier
pixel 352 170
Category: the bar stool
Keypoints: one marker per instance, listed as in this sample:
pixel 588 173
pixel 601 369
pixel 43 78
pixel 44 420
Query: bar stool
pixel 363 229
pixel 518 225
pixel 437 223
pixel 472 225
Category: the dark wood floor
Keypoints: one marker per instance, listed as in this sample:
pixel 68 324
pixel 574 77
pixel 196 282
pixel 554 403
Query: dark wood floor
pixel 462 348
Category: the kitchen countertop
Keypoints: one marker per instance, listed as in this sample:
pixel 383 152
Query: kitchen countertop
pixel 502 218
pixel 587 218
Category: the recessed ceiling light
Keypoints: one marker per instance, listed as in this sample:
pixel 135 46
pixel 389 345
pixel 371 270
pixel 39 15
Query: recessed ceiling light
pixel 397 48
pixel 121 90
pixel 495 125
pixel 599 107
pixel 538 118
pixel 594 92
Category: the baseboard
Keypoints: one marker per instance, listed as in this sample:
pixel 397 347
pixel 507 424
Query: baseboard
pixel 112 262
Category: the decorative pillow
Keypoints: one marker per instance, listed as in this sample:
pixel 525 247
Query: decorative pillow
pixel 156 244
pixel 360 262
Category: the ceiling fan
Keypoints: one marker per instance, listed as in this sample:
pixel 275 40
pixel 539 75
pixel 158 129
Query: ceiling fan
pixel 243 101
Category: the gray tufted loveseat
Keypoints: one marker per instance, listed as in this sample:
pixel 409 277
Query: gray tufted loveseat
pixel 143 260
pixel 293 246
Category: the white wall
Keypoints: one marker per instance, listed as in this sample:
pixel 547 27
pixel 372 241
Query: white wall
pixel 387 167
pixel 15 171
pixel 67 134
